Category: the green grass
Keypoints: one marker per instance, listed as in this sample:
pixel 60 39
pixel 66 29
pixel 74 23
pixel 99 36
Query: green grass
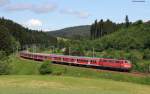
pixel 36 84
pixel 23 67
pixel 97 74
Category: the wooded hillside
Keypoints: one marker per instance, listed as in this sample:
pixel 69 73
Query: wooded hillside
pixel 13 35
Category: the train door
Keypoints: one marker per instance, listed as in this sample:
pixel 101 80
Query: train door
pixel 94 62
pixel 100 62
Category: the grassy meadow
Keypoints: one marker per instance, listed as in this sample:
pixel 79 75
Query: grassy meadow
pixel 23 84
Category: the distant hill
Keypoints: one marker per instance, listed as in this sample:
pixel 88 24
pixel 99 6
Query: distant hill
pixel 76 32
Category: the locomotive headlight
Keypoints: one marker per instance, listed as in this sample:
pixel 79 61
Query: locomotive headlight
pixel 127 66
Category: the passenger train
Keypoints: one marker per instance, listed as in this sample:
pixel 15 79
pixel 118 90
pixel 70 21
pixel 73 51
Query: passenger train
pixel 124 65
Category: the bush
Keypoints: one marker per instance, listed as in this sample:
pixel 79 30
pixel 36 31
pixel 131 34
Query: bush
pixel 45 68
pixel 4 64
pixel 4 68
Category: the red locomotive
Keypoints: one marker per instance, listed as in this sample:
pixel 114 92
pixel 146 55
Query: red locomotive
pixel 88 61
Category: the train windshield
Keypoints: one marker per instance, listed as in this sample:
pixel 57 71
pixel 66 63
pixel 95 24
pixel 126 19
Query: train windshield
pixel 128 62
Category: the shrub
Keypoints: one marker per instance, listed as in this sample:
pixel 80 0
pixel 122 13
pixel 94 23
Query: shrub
pixel 45 68
pixel 4 64
pixel 4 68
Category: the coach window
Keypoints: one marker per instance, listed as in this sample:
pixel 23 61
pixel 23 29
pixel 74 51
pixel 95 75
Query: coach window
pixel 110 61
pixel 93 61
pixel 100 60
pixel 117 61
pixel 105 60
pixel 121 61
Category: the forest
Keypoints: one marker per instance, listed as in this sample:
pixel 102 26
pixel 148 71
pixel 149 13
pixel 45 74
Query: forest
pixel 13 36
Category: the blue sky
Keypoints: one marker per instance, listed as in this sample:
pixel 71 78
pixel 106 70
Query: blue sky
pixel 58 14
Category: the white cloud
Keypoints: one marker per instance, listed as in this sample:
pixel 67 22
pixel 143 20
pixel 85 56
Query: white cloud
pixel 80 14
pixel 42 8
pixel 3 2
pixel 34 23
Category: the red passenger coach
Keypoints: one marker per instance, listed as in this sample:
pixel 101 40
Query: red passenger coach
pixel 88 61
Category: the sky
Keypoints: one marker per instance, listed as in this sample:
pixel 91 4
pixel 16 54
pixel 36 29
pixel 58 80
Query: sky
pixel 50 15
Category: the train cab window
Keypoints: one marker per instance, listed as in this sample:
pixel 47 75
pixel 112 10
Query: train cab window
pixel 127 62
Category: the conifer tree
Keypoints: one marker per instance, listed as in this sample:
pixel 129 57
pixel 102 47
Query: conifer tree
pixel 127 21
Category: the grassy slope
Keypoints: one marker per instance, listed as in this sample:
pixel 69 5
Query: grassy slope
pixel 96 74
pixel 66 85
pixel 24 67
